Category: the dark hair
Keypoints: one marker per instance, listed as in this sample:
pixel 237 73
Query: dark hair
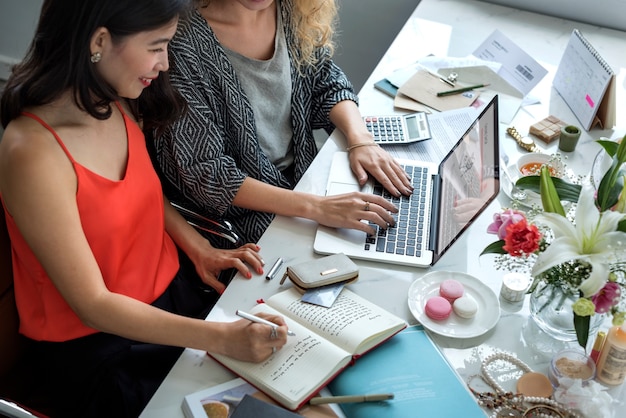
pixel 58 57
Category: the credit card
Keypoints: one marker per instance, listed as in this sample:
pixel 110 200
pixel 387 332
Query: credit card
pixel 324 296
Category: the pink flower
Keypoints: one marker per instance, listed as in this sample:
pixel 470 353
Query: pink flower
pixel 502 220
pixel 607 297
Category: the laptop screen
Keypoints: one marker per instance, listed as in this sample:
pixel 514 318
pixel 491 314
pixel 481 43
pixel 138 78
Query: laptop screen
pixel 469 178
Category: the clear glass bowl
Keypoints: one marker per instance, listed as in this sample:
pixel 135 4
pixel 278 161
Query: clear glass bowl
pixel 571 363
pixel 601 164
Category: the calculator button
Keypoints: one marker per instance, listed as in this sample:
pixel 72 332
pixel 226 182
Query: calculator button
pixel 385 129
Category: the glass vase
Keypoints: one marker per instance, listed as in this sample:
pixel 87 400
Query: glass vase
pixel 551 310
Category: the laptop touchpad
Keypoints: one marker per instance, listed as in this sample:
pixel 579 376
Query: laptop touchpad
pixel 335 188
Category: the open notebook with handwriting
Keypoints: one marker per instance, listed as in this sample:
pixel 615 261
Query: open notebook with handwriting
pixel 326 340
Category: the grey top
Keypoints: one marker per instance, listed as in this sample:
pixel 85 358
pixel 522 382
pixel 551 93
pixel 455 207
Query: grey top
pixel 205 156
pixel 268 87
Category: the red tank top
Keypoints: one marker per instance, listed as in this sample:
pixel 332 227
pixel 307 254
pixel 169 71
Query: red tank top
pixel 124 225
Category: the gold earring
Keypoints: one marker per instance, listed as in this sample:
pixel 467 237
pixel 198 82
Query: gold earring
pixel 95 57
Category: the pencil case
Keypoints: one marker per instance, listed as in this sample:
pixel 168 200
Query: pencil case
pixel 332 269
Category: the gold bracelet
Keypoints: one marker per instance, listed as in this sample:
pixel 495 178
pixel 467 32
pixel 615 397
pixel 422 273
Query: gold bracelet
pixel 362 144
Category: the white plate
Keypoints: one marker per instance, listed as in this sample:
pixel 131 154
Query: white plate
pixel 454 326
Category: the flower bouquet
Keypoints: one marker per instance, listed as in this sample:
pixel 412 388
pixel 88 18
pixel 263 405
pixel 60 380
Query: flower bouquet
pixel 581 252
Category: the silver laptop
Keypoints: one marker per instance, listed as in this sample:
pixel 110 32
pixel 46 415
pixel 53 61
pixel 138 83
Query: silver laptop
pixel 448 197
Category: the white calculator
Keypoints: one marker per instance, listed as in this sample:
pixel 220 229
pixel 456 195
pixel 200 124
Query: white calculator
pixel 398 129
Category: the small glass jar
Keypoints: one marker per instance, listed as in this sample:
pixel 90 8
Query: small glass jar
pixel 573 364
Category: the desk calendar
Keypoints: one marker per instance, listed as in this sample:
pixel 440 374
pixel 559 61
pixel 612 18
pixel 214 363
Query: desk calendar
pixel 586 83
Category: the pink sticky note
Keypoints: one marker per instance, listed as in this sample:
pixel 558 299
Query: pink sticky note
pixel 589 101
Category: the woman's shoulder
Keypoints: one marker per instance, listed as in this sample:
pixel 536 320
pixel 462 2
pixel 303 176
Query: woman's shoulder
pixel 24 131
pixel 191 30
pixel 26 141
pixel 195 51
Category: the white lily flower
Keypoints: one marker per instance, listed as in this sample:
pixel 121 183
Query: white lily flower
pixel 592 239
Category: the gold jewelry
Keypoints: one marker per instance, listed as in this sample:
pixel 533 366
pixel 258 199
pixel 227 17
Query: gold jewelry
pixel 515 405
pixel 95 57
pixel 525 142
pixel 362 144
pixel 367 206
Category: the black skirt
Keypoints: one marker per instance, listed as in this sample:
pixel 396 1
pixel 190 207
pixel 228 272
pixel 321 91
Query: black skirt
pixel 104 375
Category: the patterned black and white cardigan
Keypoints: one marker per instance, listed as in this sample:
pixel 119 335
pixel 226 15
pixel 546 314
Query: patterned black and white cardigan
pixel 205 156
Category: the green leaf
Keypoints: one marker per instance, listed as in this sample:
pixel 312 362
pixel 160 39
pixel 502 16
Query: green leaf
pixel 495 248
pixel 549 197
pixel 609 146
pixel 621 151
pixel 614 148
pixel 581 325
pixel 621 226
pixel 567 191
pixel 613 180
pixel 612 195
pixel 610 186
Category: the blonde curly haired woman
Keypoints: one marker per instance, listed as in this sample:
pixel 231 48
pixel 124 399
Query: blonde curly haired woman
pixel 258 79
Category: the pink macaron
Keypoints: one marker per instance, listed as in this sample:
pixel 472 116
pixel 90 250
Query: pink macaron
pixel 451 290
pixel 437 308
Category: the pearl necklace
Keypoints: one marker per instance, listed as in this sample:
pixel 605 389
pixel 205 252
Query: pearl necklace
pixel 500 356
pixel 510 405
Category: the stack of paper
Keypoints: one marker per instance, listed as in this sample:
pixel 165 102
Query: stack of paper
pixel 499 63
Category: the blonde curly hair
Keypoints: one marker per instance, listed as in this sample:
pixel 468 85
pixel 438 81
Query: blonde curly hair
pixel 314 23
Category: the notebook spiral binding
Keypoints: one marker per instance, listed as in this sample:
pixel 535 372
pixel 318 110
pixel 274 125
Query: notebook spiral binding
pixel 594 52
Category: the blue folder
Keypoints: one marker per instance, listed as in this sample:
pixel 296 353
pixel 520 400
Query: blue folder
pixel 411 367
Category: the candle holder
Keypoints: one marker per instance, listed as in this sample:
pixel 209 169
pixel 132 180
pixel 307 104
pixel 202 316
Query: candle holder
pixel 569 138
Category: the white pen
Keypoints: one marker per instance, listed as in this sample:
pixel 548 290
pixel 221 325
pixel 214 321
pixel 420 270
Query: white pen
pixel 258 320
pixel 274 269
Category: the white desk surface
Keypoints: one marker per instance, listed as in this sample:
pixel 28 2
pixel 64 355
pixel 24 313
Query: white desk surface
pixel 452 28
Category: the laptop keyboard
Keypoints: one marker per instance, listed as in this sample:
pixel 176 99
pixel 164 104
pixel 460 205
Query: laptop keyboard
pixel 408 237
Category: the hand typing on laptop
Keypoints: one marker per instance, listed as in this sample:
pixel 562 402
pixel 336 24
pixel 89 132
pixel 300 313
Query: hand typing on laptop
pixel 381 166
pixel 348 210
pixel 446 198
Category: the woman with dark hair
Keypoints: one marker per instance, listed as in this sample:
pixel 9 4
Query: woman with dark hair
pixel 104 303
pixel 258 78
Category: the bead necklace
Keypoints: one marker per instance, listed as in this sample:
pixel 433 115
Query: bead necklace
pixel 515 405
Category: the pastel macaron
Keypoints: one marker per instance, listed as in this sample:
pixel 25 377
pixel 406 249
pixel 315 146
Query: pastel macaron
pixel 465 307
pixel 451 290
pixel 437 308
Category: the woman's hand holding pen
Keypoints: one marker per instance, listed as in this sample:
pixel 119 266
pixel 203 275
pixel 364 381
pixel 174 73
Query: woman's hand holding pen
pixel 255 342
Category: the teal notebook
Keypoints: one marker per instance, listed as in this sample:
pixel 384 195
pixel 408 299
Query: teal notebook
pixel 410 366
